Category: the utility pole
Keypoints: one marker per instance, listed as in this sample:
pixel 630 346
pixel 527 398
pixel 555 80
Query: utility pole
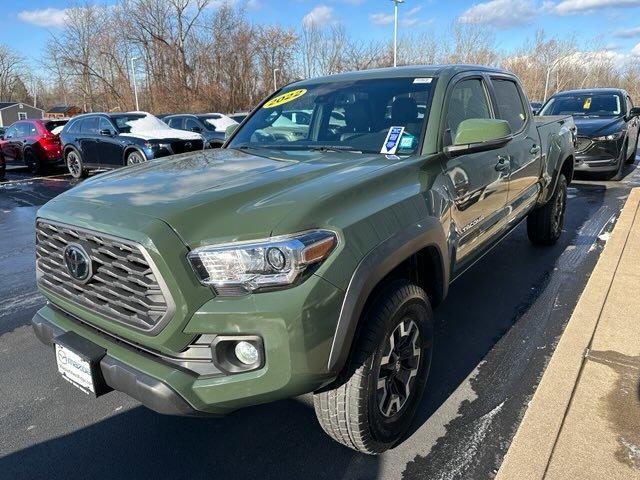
pixel 135 86
pixel 395 31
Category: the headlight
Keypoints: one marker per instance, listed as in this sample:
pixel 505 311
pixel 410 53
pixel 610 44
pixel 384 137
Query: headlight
pixel 277 262
pixel 159 146
pixel 613 136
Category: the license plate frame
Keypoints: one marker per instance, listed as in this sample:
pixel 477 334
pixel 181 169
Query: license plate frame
pixel 78 362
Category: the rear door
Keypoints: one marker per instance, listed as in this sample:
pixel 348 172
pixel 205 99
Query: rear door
pixel 479 181
pixel 88 141
pixel 524 151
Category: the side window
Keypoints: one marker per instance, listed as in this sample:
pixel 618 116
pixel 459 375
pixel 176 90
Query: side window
pixel 22 130
pixel 90 126
pixel 510 104
pixel 11 132
pixel 105 124
pixel 32 129
pixel 176 122
pixel 468 100
pixel 190 124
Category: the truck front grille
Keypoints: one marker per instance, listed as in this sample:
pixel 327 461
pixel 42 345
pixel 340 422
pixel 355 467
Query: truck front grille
pixel 122 287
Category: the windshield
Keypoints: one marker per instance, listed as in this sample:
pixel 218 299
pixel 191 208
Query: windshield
pixel 587 105
pixel 370 116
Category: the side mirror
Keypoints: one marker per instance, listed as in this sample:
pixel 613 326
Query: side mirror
pixel 229 130
pixel 106 132
pixel 634 112
pixel 479 135
pixel 196 129
pixel 535 111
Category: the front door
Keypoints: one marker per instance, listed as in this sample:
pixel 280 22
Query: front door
pixel 110 145
pixel 88 140
pixel 479 181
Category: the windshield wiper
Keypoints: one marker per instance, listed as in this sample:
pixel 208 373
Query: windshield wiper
pixel 333 149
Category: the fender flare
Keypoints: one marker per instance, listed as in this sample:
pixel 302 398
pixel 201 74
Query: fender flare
pixel 128 149
pixel 372 269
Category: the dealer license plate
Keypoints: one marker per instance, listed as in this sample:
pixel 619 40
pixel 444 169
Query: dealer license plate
pixel 75 369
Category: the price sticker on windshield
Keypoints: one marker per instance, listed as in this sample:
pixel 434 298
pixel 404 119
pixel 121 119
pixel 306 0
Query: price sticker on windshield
pixel 390 144
pixel 285 98
pixel 587 104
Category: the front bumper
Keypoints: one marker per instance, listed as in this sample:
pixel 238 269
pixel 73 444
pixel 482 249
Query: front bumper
pixel 295 325
pixel 599 156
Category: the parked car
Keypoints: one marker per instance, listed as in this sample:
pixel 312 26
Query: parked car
pixel 111 140
pixel 3 164
pixel 607 125
pixel 34 143
pixel 238 116
pixel 535 106
pixel 211 126
pixel 282 265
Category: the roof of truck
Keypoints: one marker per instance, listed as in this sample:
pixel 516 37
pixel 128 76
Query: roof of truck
pixel 405 71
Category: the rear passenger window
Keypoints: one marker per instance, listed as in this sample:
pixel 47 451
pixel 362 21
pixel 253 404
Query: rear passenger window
pixel 510 104
pixel 468 100
pixel 90 126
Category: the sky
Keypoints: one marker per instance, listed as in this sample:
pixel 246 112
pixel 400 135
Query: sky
pixel 25 25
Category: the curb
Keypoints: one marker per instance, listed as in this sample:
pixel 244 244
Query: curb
pixel 533 444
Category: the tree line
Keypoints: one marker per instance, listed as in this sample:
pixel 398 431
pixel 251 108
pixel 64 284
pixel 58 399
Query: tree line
pixel 197 56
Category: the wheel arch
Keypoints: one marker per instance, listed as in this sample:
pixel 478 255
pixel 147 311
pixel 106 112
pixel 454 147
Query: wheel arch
pixel 130 148
pixel 418 253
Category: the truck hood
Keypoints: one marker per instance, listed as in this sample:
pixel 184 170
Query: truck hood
pixel 221 195
pixel 598 126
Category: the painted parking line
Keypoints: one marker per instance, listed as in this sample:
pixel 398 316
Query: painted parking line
pixel 55 178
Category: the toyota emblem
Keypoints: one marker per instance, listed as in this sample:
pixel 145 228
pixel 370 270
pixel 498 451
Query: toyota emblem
pixel 78 262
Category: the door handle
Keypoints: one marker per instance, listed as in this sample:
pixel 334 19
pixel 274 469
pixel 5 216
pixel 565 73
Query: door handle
pixel 534 150
pixel 503 164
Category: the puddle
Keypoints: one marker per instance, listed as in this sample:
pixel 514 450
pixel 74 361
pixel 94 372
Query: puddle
pixel 622 405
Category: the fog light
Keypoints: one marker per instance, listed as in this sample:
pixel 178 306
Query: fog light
pixel 246 353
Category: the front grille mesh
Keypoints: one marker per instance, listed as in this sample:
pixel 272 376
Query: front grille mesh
pixel 123 287
pixel 582 143
pixel 183 146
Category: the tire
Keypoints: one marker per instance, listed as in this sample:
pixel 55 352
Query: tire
pixel 622 161
pixel 33 163
pixel 366 413
pixel 135 157
pixel 75 165
pixel 544 224
pixel 632 157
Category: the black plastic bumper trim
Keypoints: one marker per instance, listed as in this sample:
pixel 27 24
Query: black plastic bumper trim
pixel 151 392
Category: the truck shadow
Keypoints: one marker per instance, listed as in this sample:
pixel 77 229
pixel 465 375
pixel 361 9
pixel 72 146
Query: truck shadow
pixel 283 439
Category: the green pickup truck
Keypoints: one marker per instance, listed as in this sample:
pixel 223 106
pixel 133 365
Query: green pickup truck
pixel 301 257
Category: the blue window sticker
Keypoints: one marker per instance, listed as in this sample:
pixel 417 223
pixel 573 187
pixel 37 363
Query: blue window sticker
pixel 390 144
pixel 406 142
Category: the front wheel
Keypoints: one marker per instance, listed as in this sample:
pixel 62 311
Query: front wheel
pixel 544 224
pixel 387 373
pixel 135 158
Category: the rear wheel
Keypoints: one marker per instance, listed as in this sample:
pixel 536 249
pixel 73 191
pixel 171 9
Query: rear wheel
pixel 135 158
pixel 33 163
pixel 387 374
pixel 75 164
pixel 544 224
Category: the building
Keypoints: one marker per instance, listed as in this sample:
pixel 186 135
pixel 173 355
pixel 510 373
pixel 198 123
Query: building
pixel 63 111
pixel 13 111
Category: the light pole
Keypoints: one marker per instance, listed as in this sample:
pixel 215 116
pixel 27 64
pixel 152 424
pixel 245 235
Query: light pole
pixel 135 86
pixel 549 70
pixel 275 83
pixel 395 31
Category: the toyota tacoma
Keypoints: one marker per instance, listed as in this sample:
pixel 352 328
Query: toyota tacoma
pixel 298 261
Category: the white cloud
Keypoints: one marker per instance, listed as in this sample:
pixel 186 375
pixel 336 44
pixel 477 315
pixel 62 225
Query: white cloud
pixel 46 17
pixel 381 18
pixel 319 16
pixel 406 18
pixel 627 32
pixel 569 7
pixel 500 13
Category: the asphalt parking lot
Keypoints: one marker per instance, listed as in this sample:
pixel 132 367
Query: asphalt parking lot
pixel 495 333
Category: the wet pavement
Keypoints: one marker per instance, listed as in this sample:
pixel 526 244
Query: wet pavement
pixel 494 335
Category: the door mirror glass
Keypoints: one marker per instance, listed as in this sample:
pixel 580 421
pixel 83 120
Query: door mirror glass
pixel 106 132
pixel 229 130
pixel 479 134
pixel 634 112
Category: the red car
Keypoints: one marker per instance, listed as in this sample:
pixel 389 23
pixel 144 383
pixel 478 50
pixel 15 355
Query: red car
pixel 35 143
